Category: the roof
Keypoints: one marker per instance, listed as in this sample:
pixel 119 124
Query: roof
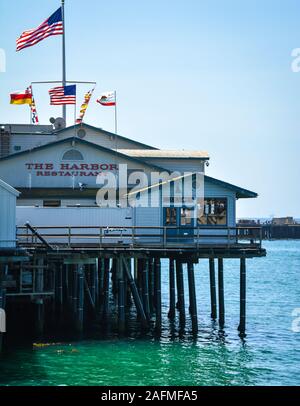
pixel 84 142
pixel 8 188
pixel 164 153
pixel 107 133
pixel 240 192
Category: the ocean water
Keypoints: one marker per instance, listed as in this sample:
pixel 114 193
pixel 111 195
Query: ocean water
pixel 269 355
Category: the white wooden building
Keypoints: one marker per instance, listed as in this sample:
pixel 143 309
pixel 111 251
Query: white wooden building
pixel 56 173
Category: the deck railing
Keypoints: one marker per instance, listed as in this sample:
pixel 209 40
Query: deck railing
pixel 137 236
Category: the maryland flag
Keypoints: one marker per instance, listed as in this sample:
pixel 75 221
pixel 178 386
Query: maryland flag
pixel 84 106
pixel 21 97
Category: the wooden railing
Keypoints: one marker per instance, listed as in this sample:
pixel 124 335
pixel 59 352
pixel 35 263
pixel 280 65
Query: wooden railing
pixel 137 236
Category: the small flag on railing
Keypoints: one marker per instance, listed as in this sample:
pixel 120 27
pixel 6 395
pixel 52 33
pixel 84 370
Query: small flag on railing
pixel 62 95
pixel 84 106
pixel 107 99
pixel 34 115
pixel 52 26
pixel 24 97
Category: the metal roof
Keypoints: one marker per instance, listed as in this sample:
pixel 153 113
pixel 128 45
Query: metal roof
pixel 10 189
pixel 164 153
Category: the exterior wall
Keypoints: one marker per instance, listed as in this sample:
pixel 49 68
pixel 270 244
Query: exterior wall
pixel 7 219
pixel 53 155
pixel 26 141
pixel 76 217
pixel 101 138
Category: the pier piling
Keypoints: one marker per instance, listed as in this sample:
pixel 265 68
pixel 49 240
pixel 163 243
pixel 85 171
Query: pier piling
pixel 221 293
pixel 172 299
pixel 121 295
pixel 192 296
pixel 158 295
pixel 180 287
pixel 213 295
pixel 242 325
pixel 145 288
pixel 136 298
pixel 80 304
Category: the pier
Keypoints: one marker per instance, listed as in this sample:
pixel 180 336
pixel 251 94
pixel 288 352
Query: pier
pixel 71 282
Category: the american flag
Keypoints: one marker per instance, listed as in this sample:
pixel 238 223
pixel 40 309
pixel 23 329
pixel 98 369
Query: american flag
pixel 52 26
pixel 63 95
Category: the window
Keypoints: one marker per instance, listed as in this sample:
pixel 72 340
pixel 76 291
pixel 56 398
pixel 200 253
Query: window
pixel 186 216
pixel 72 155
pixel 17 148
pixel 52 203
pixel 214 212
pixel 170 216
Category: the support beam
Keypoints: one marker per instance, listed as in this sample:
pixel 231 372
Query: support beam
pixel 192 296
pixel 172 298
pixel 242 325
pixel 39 302
pixel 135 295
pixel 213 293
pixel 106 279
pixel 121 295
pixel 180 287
pixel 145 289
pixel 151 284
pixel 80 304
pixel 221 293
pixel 158 295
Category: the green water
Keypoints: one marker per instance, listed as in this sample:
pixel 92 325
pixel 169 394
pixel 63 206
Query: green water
pixel 270 354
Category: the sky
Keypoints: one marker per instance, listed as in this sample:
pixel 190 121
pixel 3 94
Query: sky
pixel 204 75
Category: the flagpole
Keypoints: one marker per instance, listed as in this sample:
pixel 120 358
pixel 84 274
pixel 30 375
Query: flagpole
pixel 64 75
pixel 116 117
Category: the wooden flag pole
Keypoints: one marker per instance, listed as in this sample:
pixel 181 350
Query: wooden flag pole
pixel 64 75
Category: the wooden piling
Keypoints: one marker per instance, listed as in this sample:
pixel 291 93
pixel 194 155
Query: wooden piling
pixel 145 288
pixel 80 304
pixel 221 293
pixel 105 310
pixel 192 297
pixel 172 299
pixel 39 301
pixel 158 295
pixel 242 325
pixel 136 298
pixel 213 294
pixel 121 295
pixel 180 287
pixel 151 284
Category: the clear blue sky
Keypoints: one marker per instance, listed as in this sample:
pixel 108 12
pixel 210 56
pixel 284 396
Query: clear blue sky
pixel 213 75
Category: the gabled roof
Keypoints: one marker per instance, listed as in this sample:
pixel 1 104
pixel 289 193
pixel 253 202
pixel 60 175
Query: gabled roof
pixel 10 189
pixel 83 142
pixel 110 134
pixel 165 153
pixel 240 192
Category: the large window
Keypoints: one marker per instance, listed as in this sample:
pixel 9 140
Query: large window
pixel 72 155
pixel 214 212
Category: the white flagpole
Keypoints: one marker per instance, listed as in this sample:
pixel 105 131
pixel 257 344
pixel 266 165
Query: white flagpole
pixel 64 75
pixel 116 117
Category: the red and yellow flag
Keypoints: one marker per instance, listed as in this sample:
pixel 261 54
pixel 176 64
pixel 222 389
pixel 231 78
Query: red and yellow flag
pixel 21 97
pixel 84 106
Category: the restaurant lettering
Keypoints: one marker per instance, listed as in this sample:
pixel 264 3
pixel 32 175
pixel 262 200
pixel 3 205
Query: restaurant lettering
pixel 69 169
